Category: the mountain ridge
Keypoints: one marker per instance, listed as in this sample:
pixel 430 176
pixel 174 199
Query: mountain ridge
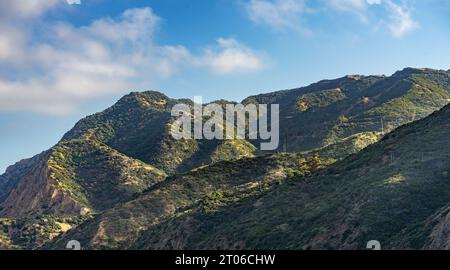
pixel 112 157
pixel 369 195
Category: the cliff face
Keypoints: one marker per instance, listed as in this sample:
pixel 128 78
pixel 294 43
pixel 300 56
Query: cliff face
pixel 13 174
pixel 36 192
pixel 76 177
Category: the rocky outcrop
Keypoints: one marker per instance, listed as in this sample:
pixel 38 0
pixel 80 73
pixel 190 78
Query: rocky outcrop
pixel 36 193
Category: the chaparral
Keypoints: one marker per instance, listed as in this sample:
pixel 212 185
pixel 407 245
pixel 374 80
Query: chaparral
pixel 235 124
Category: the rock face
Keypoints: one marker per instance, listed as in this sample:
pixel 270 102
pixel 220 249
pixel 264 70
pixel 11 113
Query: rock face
pixel 119 180
pixel 10 179
pixel 440 230
pixel 37 192
pixel 76 177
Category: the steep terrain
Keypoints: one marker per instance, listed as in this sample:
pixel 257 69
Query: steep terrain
pixel 32 232
pixel 98 164
pixel 105 174
pixel 138 126
pixel 210 187
pixel 78 176
pixel 66 185
pixel 396 191
pixel 327 111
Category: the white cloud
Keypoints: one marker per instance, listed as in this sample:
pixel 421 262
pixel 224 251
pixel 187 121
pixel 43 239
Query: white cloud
pixel 135 25
pixel 290 14
pixel 65 65
pixel 399 22
pixel 278 14
pixel 26 8
pixel 349 5
pixel 12 43
pixel 70 65
pixel 74 2
pixel 358 7
pixel 231 56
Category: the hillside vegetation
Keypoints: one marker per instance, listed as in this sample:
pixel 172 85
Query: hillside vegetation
pixel 396 191
pixel 118 179
pixel 328 111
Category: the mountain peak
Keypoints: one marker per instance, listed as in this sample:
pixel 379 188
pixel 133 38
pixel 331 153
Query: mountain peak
pixel 411 71
pixel 146 100
pixel 148 95
pixel 357 77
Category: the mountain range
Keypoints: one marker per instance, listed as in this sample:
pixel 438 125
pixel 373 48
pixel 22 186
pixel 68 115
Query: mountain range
pixel 361 158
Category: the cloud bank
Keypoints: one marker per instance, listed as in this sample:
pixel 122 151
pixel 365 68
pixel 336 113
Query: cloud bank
pixel 288 14
pixel 278 14
pixel 53 69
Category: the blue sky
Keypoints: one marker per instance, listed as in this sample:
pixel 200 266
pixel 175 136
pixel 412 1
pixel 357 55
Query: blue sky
pixel 60 61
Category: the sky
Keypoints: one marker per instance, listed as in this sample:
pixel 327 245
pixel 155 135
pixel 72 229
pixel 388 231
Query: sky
pixel 61 60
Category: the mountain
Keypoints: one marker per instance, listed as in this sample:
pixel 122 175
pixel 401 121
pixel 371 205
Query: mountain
pixel 396 191
pixel 229 180
pixel 209 187
pixel 328 111
pixel 66 185
pixel 78 176
pixel 113 166
pixel 138 126
pixel 100 162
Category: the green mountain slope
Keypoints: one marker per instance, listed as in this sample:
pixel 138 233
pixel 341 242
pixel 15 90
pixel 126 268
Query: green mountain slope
pixel 210 188
pixel 232 180
pixel 108 159
pixel 138 126
pixel 77 176
pixel 65 186
pixel 327 111
pixel 396 191
pixel 32 232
